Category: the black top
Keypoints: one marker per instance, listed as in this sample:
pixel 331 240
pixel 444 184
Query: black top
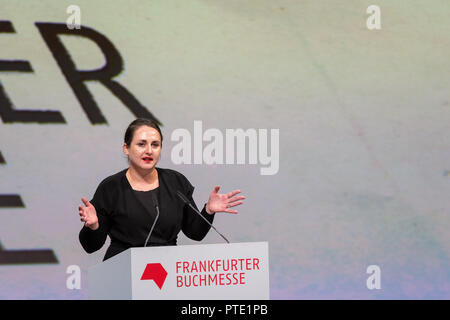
pixel 146 198
pixel 127 215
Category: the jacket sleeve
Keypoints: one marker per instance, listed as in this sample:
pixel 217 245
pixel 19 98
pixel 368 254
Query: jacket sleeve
pixel 194 226
pixel 93 240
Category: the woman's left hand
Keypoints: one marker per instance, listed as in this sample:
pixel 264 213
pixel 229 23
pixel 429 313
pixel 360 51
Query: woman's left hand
pixel 219 202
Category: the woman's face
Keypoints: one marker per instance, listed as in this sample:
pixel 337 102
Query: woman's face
pixel 145 148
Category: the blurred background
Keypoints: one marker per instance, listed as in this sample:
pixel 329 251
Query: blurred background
pixel 363 117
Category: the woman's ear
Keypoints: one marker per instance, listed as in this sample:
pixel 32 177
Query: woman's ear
pixel 125 149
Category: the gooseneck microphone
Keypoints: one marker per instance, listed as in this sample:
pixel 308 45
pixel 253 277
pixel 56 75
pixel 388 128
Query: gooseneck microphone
pixel 186 201
pixel 155 202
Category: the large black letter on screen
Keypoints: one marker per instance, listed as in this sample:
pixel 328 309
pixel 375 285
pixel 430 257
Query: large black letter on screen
pixel 113 66
pixel 7 112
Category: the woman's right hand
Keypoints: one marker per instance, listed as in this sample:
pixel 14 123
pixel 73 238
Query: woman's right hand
pixel 88 215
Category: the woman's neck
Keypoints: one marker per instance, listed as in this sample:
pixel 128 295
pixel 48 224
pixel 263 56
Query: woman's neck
pixel 142 179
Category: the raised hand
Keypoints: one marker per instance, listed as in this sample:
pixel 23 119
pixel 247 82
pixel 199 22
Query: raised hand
pixel 222 202
pixel 88 214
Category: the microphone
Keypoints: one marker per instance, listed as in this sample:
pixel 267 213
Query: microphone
pixel 155 202
pixel 186 201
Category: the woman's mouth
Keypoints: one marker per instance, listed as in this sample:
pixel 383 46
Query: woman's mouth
pixel 147 159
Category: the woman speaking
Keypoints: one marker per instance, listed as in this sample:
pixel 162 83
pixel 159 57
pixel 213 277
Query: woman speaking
pixel 123 205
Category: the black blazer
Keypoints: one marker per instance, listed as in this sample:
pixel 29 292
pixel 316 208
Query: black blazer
pixel 127 221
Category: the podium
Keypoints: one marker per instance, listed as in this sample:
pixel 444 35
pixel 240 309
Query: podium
pixel 235 271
